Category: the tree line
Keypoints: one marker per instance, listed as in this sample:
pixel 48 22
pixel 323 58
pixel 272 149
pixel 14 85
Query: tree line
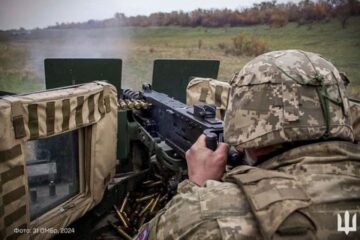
pixel 267 12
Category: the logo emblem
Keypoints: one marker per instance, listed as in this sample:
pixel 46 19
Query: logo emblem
pixel 347 227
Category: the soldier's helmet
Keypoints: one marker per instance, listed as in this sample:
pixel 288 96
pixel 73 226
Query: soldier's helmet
pixel 287 96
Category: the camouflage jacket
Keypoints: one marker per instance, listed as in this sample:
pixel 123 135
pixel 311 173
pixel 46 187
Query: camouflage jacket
pixel 296 195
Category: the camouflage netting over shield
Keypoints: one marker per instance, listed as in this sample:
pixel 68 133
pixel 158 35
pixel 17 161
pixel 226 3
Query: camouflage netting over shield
pixel 209 91
pixel 287 96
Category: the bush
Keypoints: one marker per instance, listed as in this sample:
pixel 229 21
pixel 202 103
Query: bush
pixel 222 46
pixel 244 44
pixel 199 44
pixel 279 19
pixel 3 36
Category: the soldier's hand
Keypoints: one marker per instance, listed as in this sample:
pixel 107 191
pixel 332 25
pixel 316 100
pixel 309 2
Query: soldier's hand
pixel 205 164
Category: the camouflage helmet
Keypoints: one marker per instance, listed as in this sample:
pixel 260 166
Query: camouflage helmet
pixel 286 96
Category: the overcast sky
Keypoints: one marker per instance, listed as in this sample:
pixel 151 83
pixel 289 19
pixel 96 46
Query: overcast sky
pixel 42 13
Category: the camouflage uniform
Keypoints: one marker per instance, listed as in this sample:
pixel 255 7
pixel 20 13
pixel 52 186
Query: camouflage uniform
pixel 278 97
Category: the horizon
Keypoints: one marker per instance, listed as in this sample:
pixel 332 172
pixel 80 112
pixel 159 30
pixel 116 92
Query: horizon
pixel 16 14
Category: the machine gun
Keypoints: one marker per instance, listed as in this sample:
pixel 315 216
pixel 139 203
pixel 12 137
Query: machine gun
pixel 174 122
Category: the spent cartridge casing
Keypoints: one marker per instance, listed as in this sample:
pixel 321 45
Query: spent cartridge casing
pixel 135 214
pixel 121 231
pixel 123 204
pixel 148 182
pixel 154 184
pixel 158 176
pixel 147 207
pixel 154 204
pixel 147 197
pixel 122 218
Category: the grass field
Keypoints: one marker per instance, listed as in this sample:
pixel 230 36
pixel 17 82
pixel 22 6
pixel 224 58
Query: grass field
pixel 21 59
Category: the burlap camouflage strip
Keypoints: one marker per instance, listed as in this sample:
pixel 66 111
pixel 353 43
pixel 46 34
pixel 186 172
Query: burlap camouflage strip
pixel 9 175
pixel 19 127
pixel 103 107
pixel 1 205
pixel 33 121
pixel 1 201
pixel 16 235
pixel 101 104
pixel 50 118
pixel 218 92
pixel 107 99
pixel 13 195
pixel 65 114
pixel 91 106
pixel 18 120
pixel 203 94
pixel 10 197
pixel 12 174
pixel 14 216
pixel 9 154
pixel 107 104
pixel 79 110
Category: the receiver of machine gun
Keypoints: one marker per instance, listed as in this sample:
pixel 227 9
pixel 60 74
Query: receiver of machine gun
pixel 176 123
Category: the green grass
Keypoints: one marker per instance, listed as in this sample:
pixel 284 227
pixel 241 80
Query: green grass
pixel 18 83
pixel 21 60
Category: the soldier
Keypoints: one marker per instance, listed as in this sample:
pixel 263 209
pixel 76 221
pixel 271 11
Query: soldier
pixel 288 112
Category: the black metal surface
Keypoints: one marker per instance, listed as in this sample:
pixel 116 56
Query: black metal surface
pixel 176 122
pixel 61 72
pixel 171 76
pixel 3 93
pixel 211 140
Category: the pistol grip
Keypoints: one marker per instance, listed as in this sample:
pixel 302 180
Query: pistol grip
pixel 211 140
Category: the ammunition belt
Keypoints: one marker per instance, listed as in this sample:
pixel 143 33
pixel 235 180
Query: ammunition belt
pixel 127 104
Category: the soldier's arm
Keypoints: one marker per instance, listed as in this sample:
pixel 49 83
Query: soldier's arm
pixel 204 164
pixel 181 217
